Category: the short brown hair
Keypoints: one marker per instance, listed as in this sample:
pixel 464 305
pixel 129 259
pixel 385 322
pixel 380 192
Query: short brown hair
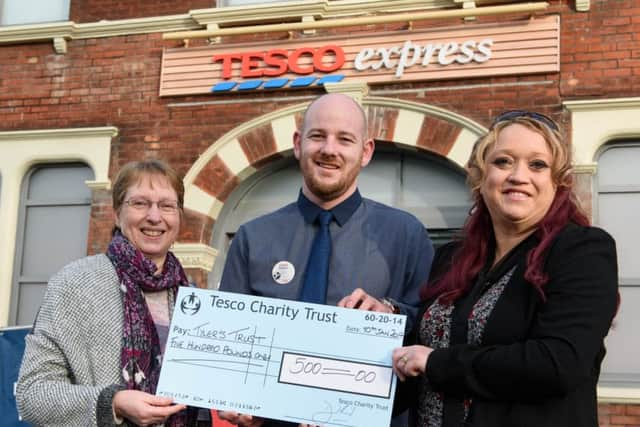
pixel 132 172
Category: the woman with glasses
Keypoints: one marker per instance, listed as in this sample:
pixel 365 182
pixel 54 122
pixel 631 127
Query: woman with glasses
pixel 94 355
pixel 516 310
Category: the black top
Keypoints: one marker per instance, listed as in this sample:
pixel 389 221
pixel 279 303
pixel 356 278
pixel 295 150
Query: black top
pixel 538 361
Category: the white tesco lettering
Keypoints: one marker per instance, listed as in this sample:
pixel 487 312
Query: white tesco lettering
pixel 410 54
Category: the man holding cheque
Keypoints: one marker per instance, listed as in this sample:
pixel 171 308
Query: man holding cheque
pixel 331 246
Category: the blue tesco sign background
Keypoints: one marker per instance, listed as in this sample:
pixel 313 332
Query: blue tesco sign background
pixel 11 349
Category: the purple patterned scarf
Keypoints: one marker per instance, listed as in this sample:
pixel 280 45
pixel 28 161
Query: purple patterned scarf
pixel 141 356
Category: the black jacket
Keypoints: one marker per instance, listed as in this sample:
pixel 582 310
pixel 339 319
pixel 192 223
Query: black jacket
pixel 539 361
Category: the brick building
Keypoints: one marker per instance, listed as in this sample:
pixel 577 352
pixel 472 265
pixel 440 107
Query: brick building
pixel 217 91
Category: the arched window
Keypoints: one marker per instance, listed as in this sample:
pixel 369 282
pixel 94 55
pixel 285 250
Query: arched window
pixel 52 231
pixel 617 207
pixel 430 187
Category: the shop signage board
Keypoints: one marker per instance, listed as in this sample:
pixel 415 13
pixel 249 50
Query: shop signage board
pixel 473 50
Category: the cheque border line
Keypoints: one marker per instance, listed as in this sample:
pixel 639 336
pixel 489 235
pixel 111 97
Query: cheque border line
pixel 266 371
pixel 246 374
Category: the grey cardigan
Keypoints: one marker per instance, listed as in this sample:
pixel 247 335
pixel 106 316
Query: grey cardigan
pixel 71 365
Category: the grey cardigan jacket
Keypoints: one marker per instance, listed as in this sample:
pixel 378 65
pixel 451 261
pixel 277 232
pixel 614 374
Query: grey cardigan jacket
pixel 71 365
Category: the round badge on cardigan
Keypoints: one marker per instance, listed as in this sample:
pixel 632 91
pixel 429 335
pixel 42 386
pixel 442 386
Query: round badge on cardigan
pixel 283 272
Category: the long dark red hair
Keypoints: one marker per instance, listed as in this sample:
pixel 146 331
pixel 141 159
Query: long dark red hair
pixel 477 236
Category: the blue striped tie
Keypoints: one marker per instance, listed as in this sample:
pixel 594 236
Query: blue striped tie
pixel 316 277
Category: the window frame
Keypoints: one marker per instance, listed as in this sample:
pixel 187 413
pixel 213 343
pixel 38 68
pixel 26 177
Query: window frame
pixel 24 148
pixel 21 231
pixel 616 381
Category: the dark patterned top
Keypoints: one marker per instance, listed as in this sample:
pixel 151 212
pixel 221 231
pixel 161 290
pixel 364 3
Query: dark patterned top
pixel 435 332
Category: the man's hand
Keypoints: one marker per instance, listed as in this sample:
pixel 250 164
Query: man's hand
pixel 242 420
pixel 142 408
pixel 362 301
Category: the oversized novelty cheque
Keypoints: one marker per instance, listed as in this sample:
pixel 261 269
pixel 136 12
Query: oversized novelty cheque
pixel 281 359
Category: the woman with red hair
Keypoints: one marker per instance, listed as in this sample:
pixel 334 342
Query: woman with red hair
pixel 516 310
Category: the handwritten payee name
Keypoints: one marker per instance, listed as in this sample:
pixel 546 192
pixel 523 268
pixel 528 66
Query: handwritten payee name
pixel 203 331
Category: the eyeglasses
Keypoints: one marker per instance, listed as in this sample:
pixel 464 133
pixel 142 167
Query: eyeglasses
pixel 514 114
pixel 143 205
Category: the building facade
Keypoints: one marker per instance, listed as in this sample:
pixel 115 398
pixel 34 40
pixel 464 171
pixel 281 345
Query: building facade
pixel 217 91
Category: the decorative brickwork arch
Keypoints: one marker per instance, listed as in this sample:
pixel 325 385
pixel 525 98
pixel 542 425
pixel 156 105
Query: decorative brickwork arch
pixel 242 151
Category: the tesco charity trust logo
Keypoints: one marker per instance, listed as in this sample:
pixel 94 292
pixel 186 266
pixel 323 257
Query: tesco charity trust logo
pixel 190 304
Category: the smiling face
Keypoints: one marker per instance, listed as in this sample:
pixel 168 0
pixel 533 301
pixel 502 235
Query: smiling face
pixel 151 230
pixel 518 186
pixel 332 148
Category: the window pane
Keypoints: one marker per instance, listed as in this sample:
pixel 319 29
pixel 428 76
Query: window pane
pixel 55 236
pixel 54 223
pixel 33 11
pixel 617 213
pixel 29 292
pixel 269 193
pixel 618 203
pixel 380 179
pixel 622 363
pixel 618 166
pixel 431 191
pixel 68 182
pixel 435 194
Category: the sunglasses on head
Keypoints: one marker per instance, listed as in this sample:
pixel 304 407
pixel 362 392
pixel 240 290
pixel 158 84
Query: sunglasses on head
pixel 514 114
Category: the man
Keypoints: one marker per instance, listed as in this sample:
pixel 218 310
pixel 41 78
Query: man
pixel 379 256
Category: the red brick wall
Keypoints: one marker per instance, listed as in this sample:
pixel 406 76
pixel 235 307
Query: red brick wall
pixel 611 415
pixel 97 10
pixel 601 50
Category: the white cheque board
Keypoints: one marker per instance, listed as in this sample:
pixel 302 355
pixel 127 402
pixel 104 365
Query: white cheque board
pixel 280 359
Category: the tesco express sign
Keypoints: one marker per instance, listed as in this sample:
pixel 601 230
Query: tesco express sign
pixel 330 58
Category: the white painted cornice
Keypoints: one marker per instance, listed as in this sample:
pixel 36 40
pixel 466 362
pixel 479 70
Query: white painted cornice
pixel 195 255
pixel 57 33
pixel 319 9
pixel 357 90
pixel 133 26
pixel 620 395
pixel 60 32
pixel 268 12
pixel 583 5
pixel 599 104
pixel 595 122
pixel 35 32
pixel 98 185
pixel 586 168
pixel 107 131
